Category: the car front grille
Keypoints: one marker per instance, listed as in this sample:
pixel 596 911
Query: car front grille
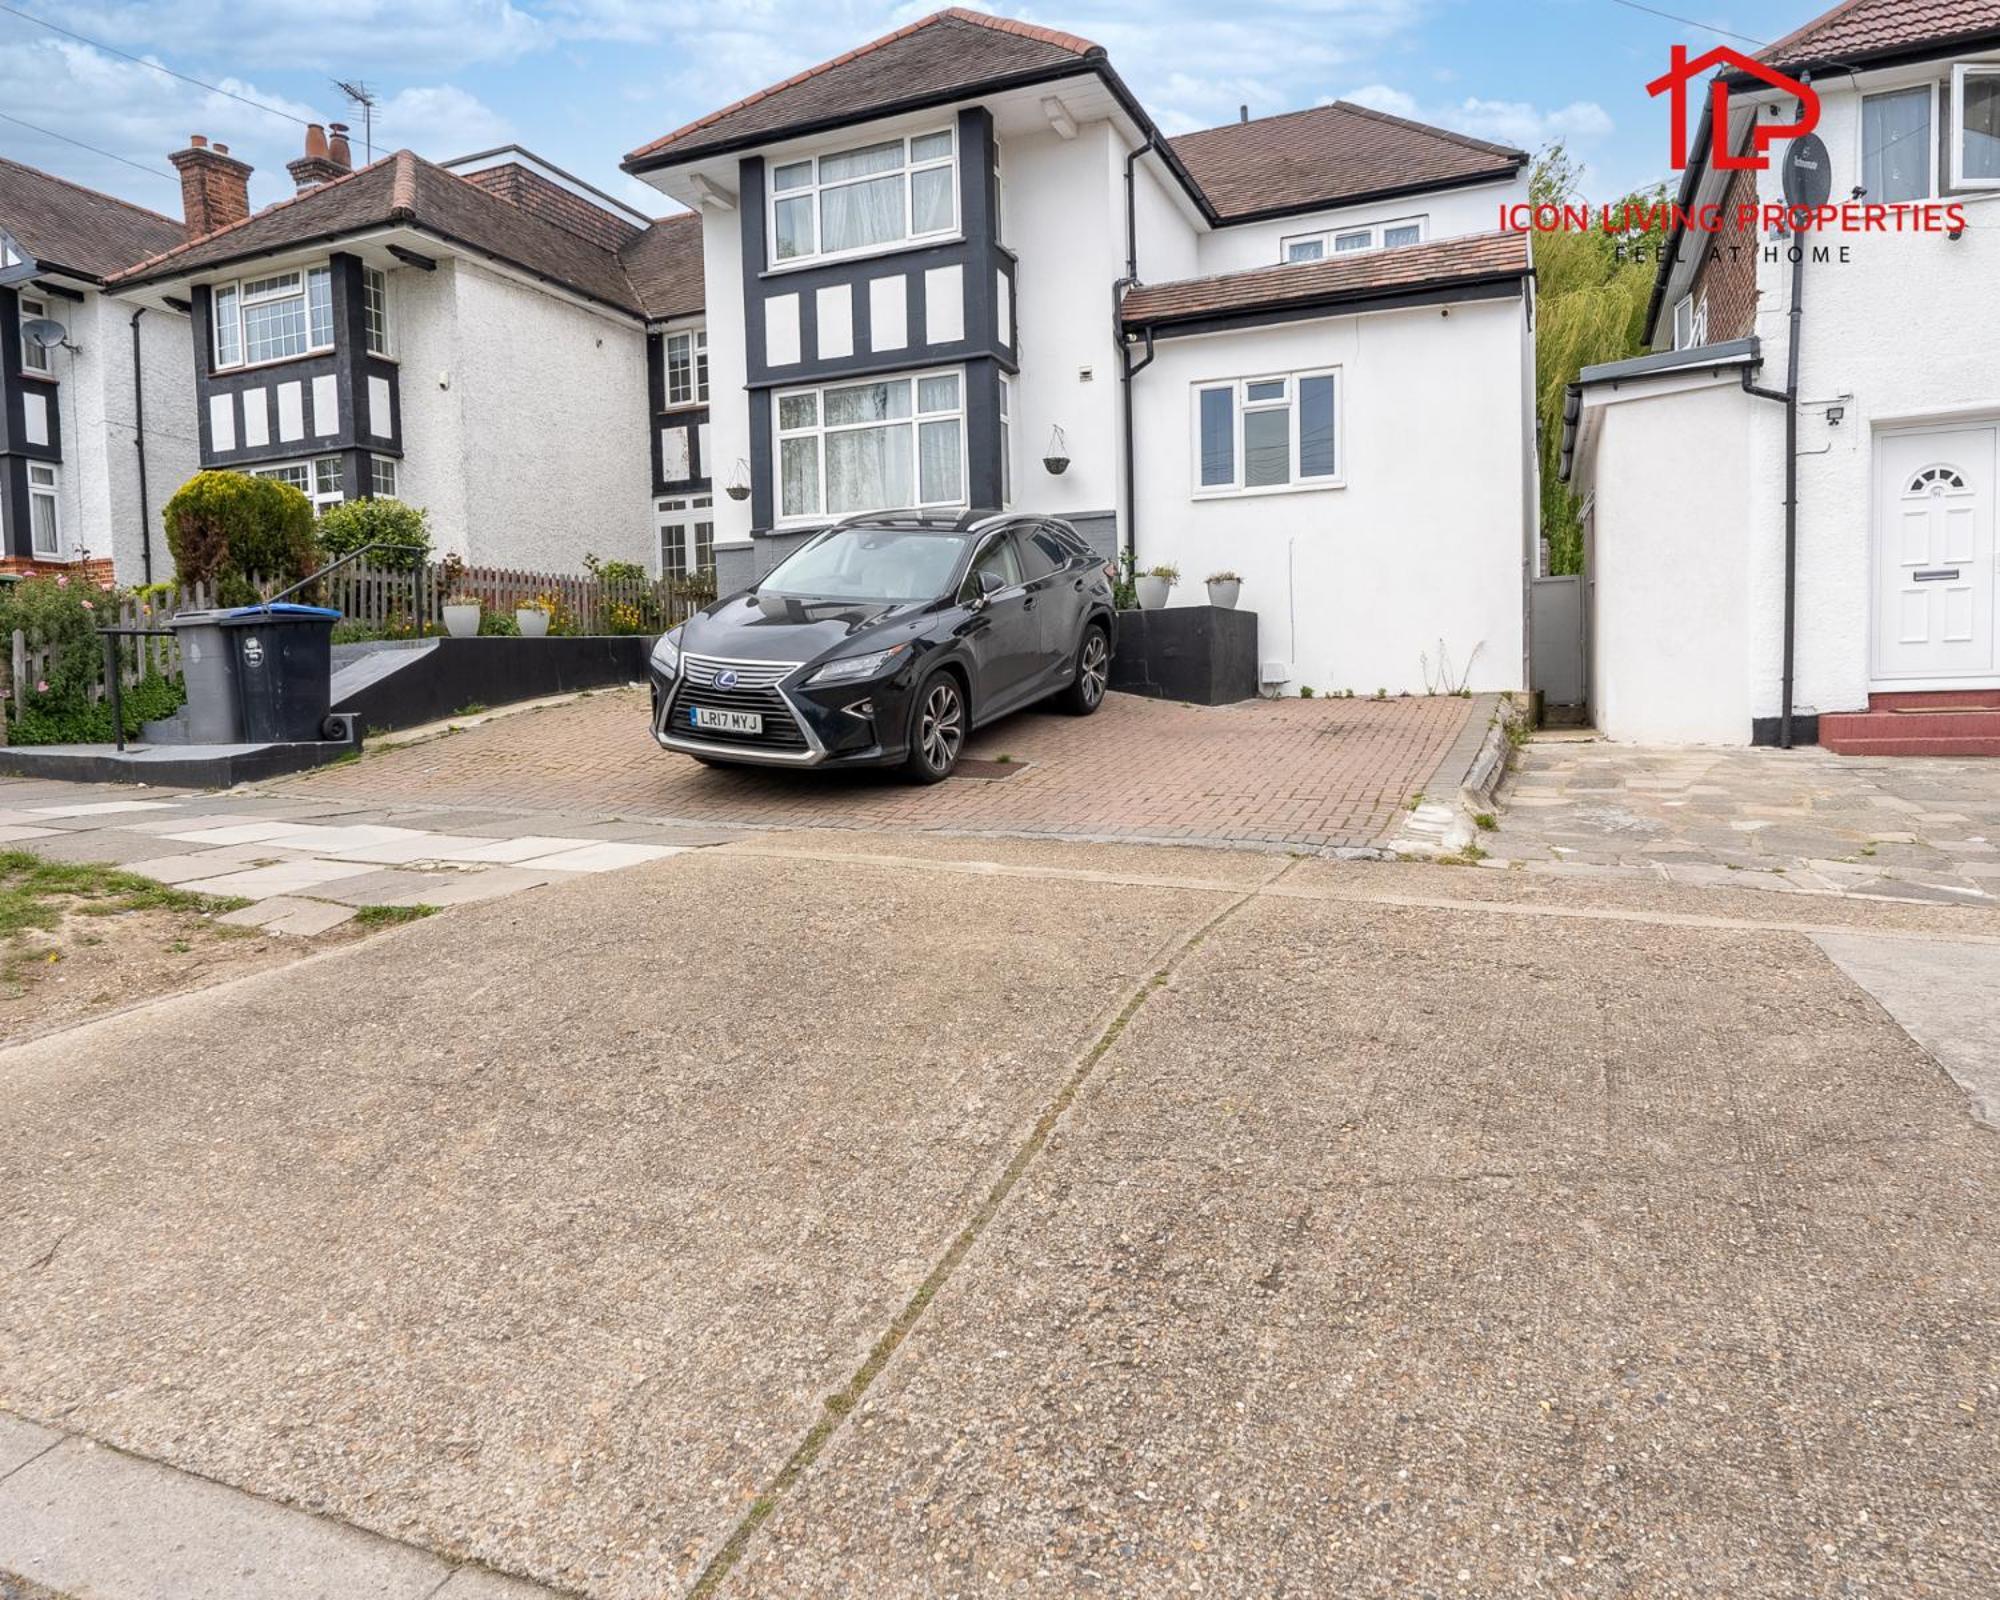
pixel 781 729
pixel 703 671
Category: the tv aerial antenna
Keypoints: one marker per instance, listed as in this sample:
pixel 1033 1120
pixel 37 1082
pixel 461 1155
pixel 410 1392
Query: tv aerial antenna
pixel 364 97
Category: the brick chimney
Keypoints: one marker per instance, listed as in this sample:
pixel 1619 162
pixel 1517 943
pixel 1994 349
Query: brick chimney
pixel 317 165
pixel 215 186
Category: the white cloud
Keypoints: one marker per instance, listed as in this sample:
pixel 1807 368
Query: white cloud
pixel 439 121
pixel 1582 124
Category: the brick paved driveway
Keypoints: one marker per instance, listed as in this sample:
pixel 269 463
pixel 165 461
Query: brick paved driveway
pixel 1326 773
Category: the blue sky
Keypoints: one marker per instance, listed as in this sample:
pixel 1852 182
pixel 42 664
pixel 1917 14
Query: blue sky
pixel 583 81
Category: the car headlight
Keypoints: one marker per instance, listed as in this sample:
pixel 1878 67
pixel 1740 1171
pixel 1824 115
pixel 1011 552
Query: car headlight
pixel 667 655
pixel 855 668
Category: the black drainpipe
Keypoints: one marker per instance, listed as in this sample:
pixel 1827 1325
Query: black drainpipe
pixel 139 440
pixel 1789 398
pixel 1127 368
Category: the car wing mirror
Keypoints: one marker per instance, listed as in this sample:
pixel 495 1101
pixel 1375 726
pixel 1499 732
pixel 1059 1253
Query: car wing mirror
pixel 989 584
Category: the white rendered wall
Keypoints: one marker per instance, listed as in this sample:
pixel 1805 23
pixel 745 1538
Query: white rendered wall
pixel 728 370
pixel 547 403
pixel 1448 213
pixel 1422 548
pixel 424 318
pixel 1907 328
pixel 1671 604
pixel 1064 211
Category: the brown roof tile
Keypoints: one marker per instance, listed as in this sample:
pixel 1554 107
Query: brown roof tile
pixel 406 189
pixel 1327 155
pixel 1362 276
pixel 1861 29
pixel 944 52
pixel 665 266
pixel 63 224
pixel 520 185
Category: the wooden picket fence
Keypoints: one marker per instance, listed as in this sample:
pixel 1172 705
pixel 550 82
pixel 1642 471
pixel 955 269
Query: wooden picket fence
pixel 375 600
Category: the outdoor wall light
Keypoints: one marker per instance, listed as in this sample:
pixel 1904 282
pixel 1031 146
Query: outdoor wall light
pixel 738 487
pixel 1056 458
pixel 1834 414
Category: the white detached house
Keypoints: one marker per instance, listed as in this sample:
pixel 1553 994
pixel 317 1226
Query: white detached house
pixel 961 267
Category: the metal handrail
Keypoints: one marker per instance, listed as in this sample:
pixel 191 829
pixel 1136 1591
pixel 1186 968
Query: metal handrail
pixel 417 572
pixel 113 673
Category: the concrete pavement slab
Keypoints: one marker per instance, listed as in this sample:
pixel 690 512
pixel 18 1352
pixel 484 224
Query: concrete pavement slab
pixel 21 1441
pixel 94 844
pixel 210 832
pixel 1396 1253
pixel 207 863
pixel 526 1234
pixel 1946 996
pixel 13 835
pixel 284 877
pixel 102 808
pixel 606 857
pixel 401 852
pixel 508 850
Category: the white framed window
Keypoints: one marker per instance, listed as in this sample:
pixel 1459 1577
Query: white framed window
pixel 882 445
pixel 1347 241
pixel 273 318
pixel 687 367
pixel 375 310
pixel 33 357
pixel 855 201
pixel 1006 441
pixel 319 480
pixel 1268 434
pixel 44 509
pixel 687 535
pixel 1897 138
pixel 382 477
pixel 1975 126
pixel 1690 322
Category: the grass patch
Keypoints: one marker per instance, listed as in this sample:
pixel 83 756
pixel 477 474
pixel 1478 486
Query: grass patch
pixel 30 888
pixel 1485 821
pixel 391 916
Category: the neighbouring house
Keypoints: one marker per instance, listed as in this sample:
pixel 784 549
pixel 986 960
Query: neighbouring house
pixel 1878 635
pixel 94 416
pixel 962 266
pixel 489 338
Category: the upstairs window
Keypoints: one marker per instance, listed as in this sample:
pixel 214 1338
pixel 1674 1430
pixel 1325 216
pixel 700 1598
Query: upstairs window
pixel 1975 127
pixel 44 510
pixel 1896 141
pixel 1259 435
pixel 273 318
pixel 687 368
pixel 866 198
pixel 1347 241
pixel 33 357
pixel 1690 322
pixel 375 309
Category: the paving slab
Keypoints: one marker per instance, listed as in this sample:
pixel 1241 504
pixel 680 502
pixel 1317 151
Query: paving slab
pixel 94 844
pixel 528 1246
pixel 606 857
pixel 1946 996
pixel 14 834
pixel 21 1441
pixel 284 877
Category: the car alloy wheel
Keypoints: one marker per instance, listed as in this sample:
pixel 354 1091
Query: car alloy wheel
pixel 941 726
pixel 1094 668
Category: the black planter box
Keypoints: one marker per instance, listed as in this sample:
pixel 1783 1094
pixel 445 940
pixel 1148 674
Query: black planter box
pixel 1203 654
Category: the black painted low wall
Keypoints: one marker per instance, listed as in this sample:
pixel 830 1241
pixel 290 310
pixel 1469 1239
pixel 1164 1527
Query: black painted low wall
pixel 172 766
pixel 459 673
pixel 1203 654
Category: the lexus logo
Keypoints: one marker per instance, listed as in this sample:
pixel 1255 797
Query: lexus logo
pixel 725 679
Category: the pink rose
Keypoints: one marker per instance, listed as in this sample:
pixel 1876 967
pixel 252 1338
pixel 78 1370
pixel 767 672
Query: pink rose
pixel 42 687
pixel 88 606
pixel 62 581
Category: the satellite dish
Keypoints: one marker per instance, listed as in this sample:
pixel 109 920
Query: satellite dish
pixel 44 333
pixel 1808 172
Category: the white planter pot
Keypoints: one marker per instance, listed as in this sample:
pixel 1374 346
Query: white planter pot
pixel 461 622
pixel 1224 595
pixel 1153 593
pixel 533 622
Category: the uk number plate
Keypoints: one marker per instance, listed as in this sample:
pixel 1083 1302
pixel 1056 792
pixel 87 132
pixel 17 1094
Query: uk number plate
pixel 726 721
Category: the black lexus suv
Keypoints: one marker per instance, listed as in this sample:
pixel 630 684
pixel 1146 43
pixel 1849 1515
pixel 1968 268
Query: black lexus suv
pixel 886 639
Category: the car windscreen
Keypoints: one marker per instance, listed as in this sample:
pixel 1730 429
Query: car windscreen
pixel 894 564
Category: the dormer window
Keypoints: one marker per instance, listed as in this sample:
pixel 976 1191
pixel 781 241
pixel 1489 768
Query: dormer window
pixel 866 199
pixel 273 318
pixel 1975 126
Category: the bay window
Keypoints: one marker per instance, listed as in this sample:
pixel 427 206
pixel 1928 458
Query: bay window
pixel 1255 435
pixel 273 318
pixel 318 480
pixel 876 446
pixel 1896 141
pixel 1975 126
pixel 863 199
pixel 382 477
pixel 687 368
pixel 44 510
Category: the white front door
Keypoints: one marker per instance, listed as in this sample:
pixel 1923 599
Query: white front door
pixel 1934 556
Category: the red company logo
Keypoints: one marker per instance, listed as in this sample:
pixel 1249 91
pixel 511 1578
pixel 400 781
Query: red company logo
pixel 1763 135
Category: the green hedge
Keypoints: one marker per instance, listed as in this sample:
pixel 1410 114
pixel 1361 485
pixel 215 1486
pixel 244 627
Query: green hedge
pixel 228 527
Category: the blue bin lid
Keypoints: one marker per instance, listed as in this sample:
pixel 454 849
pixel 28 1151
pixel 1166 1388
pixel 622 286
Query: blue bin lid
pixel 284 610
